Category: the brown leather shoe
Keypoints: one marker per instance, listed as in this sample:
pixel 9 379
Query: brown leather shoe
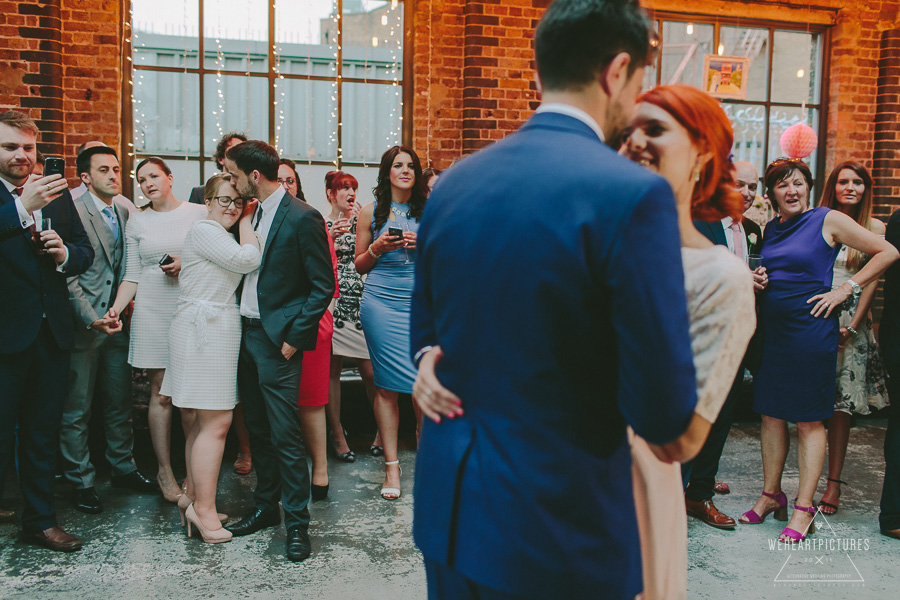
pixel 55 538
pixel 7 515
pixel 707 512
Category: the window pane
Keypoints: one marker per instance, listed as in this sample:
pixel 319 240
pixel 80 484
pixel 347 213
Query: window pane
pixel 371 120
pixel 780 119
pixel 753 43
pixel 372 39
pixel 165 32
pixel 305 37
pixel 749 123
pixel 166 113
pixel 306 119
pixel 312 178
pixel 236 35
pixel 683 48
pixel 186 174
pixel 795 69
pixel 234 103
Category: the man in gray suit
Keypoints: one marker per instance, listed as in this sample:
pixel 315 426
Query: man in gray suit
pixel 101 348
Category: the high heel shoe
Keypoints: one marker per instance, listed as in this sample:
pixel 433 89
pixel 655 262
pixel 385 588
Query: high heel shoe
pixel 795 535
pixel 319 492
pixel 394 493
pixel 751 518
pixel 184 501
pixel 833 507
pixel 376 450
pixel 215 536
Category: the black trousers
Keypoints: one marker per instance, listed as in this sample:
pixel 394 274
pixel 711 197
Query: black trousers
pixel 270 388
pixel 699 475
pixel 32 390
pixel 890 492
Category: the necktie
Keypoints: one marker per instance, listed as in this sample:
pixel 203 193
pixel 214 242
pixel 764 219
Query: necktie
pixel 737 237
pixel 259 212
pixel 112 222
pixel 18 191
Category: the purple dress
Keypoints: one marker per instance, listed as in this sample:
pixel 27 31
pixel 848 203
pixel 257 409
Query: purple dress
pixel 796 379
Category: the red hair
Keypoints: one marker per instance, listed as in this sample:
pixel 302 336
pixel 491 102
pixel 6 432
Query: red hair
pixel 715 196
pixel 335 180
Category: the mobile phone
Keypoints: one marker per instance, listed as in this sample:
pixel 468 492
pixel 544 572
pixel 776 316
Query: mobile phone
pixel 395 232
pixel 166 260
pixel 54 165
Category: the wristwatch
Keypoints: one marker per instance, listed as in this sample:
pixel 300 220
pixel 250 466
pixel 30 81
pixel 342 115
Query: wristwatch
pixel 854 287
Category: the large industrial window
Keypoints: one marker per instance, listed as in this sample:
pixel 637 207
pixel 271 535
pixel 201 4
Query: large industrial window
pixel 320 80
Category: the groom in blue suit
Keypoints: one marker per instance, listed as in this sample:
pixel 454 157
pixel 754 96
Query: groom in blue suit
pixel 550 276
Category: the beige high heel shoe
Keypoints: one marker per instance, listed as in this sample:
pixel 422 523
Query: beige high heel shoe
pixel 184 501
pixel 215 536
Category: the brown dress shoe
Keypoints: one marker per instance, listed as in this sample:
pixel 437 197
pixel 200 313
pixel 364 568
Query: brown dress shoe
pixel 7 515
pixel 707 512
pixel 55 538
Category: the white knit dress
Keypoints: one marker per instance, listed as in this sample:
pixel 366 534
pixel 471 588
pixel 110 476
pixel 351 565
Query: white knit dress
pixel 205 337
pixel 148 236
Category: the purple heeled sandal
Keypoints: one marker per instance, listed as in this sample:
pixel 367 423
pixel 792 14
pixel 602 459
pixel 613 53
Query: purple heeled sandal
pixel 795 535
pixel 751 518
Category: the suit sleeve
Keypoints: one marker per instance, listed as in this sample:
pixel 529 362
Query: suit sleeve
pixel 657 389
pixel 81 252
pixel 313 239
pixel 10 226
pixel 422 329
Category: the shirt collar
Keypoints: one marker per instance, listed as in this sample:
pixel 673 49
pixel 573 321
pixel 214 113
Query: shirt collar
pixel 271 203
pixel 571 111
pixel 726 222
pixel 100 204
pixel 8 185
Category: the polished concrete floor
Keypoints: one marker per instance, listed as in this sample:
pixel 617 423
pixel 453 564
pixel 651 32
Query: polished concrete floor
pixel 362 546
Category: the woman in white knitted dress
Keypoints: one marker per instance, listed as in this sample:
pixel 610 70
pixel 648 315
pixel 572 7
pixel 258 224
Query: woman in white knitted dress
pixel 152 234
pixel 204 341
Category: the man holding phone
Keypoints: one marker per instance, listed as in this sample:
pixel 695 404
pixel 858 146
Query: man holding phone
pixel 36 322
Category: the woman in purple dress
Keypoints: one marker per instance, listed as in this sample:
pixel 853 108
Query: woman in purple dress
pixel 799 323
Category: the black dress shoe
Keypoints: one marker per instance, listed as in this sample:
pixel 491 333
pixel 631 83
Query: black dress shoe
pixel 55 538
pixel 259 519
pixel 298 546
pixel 135 481
pixel 87 501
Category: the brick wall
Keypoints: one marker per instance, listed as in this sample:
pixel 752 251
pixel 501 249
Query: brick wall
pixel 60 62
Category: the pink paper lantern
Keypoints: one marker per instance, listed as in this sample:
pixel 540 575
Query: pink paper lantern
pixel 799 141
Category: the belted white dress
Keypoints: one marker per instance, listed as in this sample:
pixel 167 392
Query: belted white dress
pixel 205 336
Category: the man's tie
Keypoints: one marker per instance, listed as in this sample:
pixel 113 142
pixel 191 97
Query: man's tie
pixel 737 237
pixel 112 222
pixel 18 191
pixel 259 212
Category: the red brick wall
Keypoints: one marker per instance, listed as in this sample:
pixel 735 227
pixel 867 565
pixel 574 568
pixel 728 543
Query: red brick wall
pixel 60 62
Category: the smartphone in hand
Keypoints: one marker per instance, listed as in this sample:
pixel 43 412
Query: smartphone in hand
pixel 166 260
pixel 395 232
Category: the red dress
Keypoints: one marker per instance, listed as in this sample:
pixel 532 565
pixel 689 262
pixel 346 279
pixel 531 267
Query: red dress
pixel 317 363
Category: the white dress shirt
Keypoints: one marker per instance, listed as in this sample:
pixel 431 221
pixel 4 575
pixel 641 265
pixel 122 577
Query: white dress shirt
pixel 577 113
pixel 27 220
pixel 249 299
pixel 729 235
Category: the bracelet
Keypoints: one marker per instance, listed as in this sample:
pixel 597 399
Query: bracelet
pixel 422 352
pixel 372 253
pixel 850 329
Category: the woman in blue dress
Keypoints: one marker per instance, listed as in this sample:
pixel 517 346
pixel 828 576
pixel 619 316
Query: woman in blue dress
pixel 389 261
pixel 799 322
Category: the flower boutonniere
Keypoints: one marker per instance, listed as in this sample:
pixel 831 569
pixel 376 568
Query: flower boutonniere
pixel 752 239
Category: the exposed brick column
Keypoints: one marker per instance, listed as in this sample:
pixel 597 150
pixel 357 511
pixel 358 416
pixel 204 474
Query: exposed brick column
pixel 886 163
pixel 33 81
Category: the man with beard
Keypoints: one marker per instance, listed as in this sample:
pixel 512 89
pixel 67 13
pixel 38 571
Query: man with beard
pixel 281 305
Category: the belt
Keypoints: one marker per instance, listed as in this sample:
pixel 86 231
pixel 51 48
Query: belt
pixel 251 322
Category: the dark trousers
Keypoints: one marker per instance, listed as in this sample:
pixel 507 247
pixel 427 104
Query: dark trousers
pixel 270 388
pixel 32 389
pixel 445 583
pixel 890 492
pixel 699 475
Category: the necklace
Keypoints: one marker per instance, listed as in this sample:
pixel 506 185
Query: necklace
pixel 400 214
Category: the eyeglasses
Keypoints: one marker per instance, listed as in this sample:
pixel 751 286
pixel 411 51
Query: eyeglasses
pixel 289 181
pixel 226 201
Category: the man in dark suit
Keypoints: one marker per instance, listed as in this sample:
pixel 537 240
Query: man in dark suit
pixel 281 305
pixel 101 347
pixel 228 141
pixel 561 323
pixel 36 323
pixel 889 339
pixel 742 238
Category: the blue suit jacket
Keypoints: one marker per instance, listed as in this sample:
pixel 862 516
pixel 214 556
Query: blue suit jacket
pixel 550 272
pixel 32 287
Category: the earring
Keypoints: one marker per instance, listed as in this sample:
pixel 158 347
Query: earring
pixel 696 174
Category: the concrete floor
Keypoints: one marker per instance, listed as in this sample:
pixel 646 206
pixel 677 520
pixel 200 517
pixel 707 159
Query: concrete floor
pixel 362 546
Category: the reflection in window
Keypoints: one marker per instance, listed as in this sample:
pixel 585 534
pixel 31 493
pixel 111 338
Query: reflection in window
pixel 683 47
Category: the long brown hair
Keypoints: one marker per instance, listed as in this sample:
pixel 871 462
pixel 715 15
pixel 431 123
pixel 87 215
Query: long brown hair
pixel 862 213
pixel 382 190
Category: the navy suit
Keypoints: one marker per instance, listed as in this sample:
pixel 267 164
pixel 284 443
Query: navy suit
pixel 37 330
pixel 550 272
pixel 889 339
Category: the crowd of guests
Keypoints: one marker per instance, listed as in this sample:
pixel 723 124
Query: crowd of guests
pixel 243 303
